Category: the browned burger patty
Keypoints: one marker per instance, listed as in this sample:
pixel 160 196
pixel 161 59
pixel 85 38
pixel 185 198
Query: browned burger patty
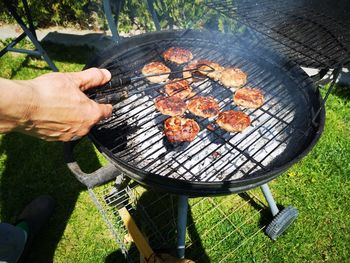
pixel 179 129
pixel 233 78
pixel 172 106
pixel 249 98
pixel 233 121
pixel 178 88
pixel 177 55
pixel 205 107
pixel 156 68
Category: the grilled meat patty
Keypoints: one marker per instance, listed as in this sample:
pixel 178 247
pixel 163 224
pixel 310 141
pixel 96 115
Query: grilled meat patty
pixel 249 98
pixel 177 55
pixel 179 129
pixel 233 121
pixel 172 106
pixel 233 78
pixel 156 67
pixel 205 107
pixel 178 88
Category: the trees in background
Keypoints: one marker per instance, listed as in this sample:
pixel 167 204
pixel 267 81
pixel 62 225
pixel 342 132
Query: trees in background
pixel 89 14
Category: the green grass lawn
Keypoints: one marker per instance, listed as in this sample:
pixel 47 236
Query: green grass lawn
pixel 318 186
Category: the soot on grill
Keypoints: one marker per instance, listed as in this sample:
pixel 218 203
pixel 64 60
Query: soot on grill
pixel 135 134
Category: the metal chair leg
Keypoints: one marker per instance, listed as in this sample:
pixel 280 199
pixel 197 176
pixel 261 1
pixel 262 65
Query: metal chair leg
pixel 181 225
pixel 111 22
pixel 153 14
pixel 30 32
pixel 269 198
pixel 29 18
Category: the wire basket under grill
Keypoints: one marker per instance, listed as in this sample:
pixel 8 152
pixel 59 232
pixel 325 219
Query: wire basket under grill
pixel 228 222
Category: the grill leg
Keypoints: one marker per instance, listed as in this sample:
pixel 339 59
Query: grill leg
pixel 181 225
pixel 269 198
pixel 30 32
pixel 153 14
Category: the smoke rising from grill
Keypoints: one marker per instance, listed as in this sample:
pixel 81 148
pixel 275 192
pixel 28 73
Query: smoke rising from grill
pixel 215 155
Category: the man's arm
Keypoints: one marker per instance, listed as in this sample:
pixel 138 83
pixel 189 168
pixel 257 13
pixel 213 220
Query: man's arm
pixel 53 106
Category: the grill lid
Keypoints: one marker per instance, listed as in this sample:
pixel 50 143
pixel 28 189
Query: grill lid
pixel 311 33
pixel 216 162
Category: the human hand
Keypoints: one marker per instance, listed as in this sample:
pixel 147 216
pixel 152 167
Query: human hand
pixel 56 108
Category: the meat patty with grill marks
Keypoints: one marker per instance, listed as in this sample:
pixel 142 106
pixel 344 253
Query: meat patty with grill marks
pixel 205 107
pixel 233 121
pixel 233 78
pixel 172 106
pixel 178 88
pixel 156 67
pixel 249 98
pixel 179 129
pixel 177 55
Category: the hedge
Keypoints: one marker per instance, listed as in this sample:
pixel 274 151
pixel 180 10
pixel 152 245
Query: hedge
pixel 89 14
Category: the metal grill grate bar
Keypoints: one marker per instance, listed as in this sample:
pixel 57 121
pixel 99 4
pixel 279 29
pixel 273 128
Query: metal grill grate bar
pixel 255 76
pixel 310 36
pixel 230 161
pixel 136 128
pixel 219 138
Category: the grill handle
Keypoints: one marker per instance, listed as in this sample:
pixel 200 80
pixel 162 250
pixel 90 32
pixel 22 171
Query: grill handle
pixel 98 177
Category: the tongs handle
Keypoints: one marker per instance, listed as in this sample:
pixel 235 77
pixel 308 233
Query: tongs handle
pixel 118 82
pixel 98 177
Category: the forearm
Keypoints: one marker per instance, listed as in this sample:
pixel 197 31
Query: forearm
pixel 16 104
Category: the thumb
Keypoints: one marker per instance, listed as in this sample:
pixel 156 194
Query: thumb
pixel 91 77
pixel 106 110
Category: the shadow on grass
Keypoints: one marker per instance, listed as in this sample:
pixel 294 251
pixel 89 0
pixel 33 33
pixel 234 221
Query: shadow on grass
pixel 69 54
pixel 266 215
pixel 197 249
pixel 77 54
pixel 116 256
pixel 33 167
pixel 26 64
pixel 342 91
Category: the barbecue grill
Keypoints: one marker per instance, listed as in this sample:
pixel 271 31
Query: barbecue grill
pixel 283 130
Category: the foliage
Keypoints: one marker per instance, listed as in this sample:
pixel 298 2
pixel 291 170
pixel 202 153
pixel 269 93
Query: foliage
pixel 135 14
pixel 56 12
pixel 190 14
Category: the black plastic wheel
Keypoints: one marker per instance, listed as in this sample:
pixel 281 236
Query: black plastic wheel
pixel 281 222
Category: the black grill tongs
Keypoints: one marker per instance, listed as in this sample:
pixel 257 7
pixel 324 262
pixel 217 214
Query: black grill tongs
pixel 117 84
